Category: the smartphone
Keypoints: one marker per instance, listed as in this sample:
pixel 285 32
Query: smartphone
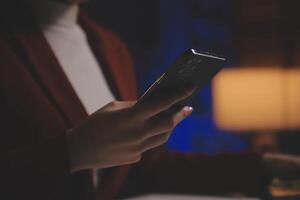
pixel 191 68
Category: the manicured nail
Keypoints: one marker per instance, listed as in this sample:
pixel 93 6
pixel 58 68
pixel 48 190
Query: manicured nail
pixel 188 109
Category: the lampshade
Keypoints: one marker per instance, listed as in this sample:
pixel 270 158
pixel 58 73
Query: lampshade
pixel 257 99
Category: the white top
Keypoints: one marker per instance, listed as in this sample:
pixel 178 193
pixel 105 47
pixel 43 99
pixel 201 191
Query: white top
pixel 68 41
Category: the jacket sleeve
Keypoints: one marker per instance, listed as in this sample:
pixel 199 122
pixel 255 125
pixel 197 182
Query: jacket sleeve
pixel 163 171
pixel 29 168
pixel 33 172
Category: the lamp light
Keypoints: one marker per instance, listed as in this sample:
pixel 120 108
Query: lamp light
pixel 257 99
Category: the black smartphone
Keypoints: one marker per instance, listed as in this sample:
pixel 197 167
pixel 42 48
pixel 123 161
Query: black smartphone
pixel 191 68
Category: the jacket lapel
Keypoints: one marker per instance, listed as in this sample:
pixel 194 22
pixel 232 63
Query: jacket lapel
pixel 43 64
pixel 34 50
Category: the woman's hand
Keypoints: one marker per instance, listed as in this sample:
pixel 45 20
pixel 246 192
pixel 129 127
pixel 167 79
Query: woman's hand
pixel 120 132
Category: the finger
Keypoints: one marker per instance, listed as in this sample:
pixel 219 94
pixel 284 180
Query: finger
pixel 132 160
pixel 162 124
pixel 155 104
pixel 117 105
pixel 155 141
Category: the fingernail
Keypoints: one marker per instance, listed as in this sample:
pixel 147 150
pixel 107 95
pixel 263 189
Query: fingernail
pixel 188 109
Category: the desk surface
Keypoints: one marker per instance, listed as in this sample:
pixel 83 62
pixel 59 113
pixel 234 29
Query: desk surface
pixel 183 197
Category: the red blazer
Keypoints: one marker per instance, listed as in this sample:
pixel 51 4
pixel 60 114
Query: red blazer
pixel 38 105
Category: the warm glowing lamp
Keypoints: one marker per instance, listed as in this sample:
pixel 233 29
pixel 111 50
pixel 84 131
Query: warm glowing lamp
pixel 260 93
pixel 257 99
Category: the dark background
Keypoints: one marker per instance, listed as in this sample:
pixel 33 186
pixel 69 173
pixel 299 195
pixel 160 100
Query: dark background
pixel 244 31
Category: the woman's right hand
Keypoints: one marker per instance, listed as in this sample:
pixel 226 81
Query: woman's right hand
pixel 120 132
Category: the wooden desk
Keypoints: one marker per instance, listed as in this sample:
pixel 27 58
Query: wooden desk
pixel 184 197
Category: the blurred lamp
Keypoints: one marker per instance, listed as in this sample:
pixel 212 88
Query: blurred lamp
pixel 257 99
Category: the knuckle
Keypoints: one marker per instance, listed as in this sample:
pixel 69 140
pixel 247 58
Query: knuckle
pixel 137 148
pixel 164 139
pixel 186 93
pixel 130 117
pixel 172 123
pixel 132 160
pixel 135 110
pixel 135 160
pixel 144 146
pixel 139 158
